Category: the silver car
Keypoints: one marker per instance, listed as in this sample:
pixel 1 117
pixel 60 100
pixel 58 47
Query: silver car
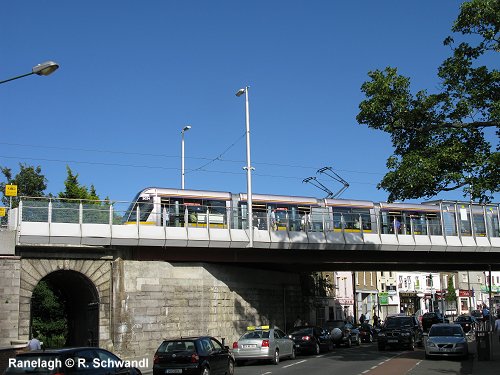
pixel 446 339
pixel 265 343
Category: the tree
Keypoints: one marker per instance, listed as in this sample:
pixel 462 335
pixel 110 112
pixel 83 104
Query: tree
pixel 76 191
pixel 439 139
pixel 30 182
pixel 49 318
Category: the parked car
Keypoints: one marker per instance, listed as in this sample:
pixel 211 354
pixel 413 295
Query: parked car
pixel 446 339
pixel 80 360
pixel 311 339
pixel 263 343
pixel 467 322
pixel 430 318
pixel 340 333
pixel 201 355
pixel 400 331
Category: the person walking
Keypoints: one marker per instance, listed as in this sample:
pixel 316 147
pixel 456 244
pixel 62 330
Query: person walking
pixel 34 343
pixel 497 326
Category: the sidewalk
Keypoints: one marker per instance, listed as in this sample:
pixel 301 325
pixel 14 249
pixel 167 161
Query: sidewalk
pixel 491 367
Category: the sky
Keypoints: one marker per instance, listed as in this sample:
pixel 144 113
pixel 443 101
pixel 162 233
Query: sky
pixel 134 73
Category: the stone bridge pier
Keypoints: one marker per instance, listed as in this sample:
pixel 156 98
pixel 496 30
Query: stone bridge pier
pixel 129 306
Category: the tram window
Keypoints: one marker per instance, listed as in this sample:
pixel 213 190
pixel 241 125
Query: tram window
pixel 492 221
pixel 145 208
pixel 478 222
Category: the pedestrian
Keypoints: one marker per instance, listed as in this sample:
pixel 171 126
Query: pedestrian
pixel 34 343
pixel 497 326
pixel 486 313
pixel 362 319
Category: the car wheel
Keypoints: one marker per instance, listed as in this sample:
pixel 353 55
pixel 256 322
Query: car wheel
pixel 370 338
pixel 348 343
pixel 206 371
pixel 358 341
pixel 230 367
pixel 427 356
pixel 276 358
pixel 317 349
pixel 293 355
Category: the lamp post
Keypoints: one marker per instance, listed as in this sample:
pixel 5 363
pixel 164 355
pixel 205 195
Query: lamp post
pixel 249 166
pixel 184 129
pixel 43 69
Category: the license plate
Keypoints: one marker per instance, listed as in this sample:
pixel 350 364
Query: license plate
pixel 174 371
pixel 392 341
pixel 249 346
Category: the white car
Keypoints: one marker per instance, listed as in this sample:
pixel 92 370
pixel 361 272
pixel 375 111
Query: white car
pixel 446 339
pixel 263 343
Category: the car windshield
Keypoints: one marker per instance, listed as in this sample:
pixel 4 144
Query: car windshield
pixel 398 322
pixel 445 331
pixel 302 331
pixel 338 324
pixel 255 335
pixel 463 319
pixel 176 346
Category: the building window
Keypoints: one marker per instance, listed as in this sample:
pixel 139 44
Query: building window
pixel 464 278
pixel 464 305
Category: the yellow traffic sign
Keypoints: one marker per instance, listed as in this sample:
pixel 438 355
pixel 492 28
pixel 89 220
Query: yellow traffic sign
pixel 11 190
pixel 2 211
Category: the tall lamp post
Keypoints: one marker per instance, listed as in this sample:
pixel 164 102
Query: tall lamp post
pixel 249 166
pixel 43 69
pixel 184 129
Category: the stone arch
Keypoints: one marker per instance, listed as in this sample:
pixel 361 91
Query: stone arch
pixel 87 286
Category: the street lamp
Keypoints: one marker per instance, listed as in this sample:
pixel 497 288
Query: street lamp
pixel 249 166
pixel 184 129
pixel 43 69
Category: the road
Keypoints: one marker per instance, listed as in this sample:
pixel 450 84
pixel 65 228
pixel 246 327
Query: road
pixel 362 360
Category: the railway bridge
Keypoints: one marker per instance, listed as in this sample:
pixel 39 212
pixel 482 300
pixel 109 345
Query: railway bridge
pixel 127 286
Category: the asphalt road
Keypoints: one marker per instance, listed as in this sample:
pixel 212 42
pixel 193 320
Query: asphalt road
pixel 362 360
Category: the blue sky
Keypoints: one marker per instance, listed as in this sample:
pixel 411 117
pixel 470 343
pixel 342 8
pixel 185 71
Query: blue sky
pixel 133 74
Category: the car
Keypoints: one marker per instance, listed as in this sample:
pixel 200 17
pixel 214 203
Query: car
pixel 446 339
pixel 198 355
pixel 263 343
pixel 433 317
pixel 311 339
pixel 400 331
pixel 77 360
pixel 340 333
pixel 467 322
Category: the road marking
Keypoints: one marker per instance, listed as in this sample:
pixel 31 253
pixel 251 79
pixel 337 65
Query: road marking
pixel 295 363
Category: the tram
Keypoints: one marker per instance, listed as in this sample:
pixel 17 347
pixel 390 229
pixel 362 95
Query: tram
pixel 216 209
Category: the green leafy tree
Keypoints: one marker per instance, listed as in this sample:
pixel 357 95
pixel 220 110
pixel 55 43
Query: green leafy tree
pixel 30 182
pixel 451 294
pixel 67 208
pixel 73 189
pixel 440 139
pixel 49 317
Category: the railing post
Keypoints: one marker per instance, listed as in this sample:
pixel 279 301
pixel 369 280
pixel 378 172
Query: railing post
pixel 49 212
pixel 80 213
pixel 111 214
